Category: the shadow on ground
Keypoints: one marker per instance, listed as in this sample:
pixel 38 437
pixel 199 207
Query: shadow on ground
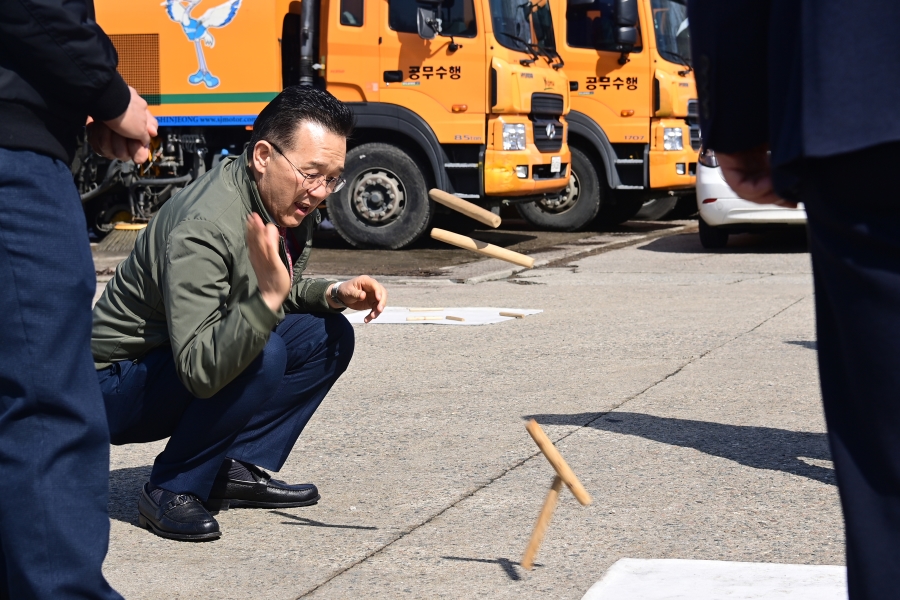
pixel 786 241
pixel 810 344
pixel 757 447
pixel 297 520
pixel 124 487
pixel 508 566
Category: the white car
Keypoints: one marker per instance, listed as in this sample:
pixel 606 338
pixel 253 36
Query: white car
pixel 722 212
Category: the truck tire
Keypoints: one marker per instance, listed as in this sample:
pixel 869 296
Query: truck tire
pixel 578 205
pixel 712 238
pixel 384 203
pixel 616 214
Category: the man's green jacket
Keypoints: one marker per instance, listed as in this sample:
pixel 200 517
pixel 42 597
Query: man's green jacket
pixel 189 284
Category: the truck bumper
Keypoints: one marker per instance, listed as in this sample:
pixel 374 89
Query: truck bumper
pixel 527 172
pixel 503 170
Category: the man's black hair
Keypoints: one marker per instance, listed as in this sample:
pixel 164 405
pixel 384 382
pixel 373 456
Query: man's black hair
pixel 278 121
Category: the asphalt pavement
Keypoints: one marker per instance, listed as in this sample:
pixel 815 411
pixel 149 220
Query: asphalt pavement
pixel 679 384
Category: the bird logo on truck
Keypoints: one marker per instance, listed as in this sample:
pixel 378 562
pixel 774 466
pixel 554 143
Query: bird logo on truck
pixel 551 131
pixel 198 31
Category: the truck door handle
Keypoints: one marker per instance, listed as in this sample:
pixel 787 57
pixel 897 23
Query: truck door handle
pixel 393 76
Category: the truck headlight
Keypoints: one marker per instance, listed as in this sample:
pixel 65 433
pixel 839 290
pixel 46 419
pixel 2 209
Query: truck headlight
pixel 513 136
pixel 672 139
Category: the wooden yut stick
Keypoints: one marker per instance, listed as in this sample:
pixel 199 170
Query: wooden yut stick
pixel 537 536
pixel 491 250
pixel 452 318
pixel 435 318
pixel 467 208
pixel 512 314
pixel 559 464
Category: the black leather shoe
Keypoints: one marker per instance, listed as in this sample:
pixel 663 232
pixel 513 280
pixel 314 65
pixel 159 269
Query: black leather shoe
pixel 177 517
pixel 264 492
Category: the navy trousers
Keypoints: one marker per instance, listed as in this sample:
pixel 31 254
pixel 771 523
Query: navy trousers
pixel 256 418
pixel 853 209
pixel 54 442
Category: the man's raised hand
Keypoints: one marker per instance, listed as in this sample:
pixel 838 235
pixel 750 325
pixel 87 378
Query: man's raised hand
pixel 263 245
pixel 361 293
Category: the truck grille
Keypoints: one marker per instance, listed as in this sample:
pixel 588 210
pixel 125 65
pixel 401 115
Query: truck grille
pixel 693 120
pixel 545 112
pixel 546 104
pixel 139 63
pixel 548 134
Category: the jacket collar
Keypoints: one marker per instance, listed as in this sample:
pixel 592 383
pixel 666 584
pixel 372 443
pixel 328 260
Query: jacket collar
pixel 243 179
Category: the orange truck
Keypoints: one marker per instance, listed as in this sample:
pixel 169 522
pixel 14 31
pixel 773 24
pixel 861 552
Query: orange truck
pixel 456 95
pixel 633 128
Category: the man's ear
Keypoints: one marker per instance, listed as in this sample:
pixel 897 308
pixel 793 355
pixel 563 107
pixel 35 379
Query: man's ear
pixel 262 156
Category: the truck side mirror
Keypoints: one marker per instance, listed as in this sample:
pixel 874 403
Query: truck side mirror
pixel 428 24
pixel 626 37
pixel 626 13
pixel 626 27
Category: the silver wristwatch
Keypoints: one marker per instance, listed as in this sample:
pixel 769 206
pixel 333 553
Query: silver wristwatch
pixel 334 295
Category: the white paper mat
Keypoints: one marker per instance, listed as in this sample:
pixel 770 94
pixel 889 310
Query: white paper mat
pixel 673 579
pixel 472 315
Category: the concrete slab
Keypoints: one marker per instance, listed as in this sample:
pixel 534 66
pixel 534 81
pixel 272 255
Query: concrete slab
pixel 672 579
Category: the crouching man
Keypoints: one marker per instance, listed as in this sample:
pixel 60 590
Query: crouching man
pixel 209 336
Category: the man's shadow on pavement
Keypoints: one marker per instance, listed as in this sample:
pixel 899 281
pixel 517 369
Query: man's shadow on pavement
pixel 757 447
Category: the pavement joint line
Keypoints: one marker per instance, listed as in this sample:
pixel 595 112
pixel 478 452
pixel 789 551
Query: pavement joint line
pixel 472 491
pixel 624 243
pixel 578 253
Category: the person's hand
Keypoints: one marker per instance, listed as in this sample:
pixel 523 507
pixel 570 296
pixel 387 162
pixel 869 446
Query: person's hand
pixel 361 293
pixel 272 275
pixel 749 174
pixel 128 135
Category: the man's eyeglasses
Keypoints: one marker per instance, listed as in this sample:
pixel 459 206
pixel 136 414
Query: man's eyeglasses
pixel 312 182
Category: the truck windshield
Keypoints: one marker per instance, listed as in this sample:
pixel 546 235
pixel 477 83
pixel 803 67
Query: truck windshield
pixel 523 26
pixel 673 38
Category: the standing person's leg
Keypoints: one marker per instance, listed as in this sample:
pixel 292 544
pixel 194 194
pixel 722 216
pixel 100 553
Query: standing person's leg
pixel 319 349
pixel 54 443
pixel 854 230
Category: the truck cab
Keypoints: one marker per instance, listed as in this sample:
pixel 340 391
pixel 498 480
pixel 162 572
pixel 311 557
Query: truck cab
pixel 633 126
pixel 456 95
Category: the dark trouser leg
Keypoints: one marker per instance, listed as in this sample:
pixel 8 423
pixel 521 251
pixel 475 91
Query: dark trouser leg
pixel 854 228
pixel 54 445
pixel 319 348
pixel 146 401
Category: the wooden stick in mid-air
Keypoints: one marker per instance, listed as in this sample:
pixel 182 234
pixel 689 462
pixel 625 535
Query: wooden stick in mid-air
pixel 559 464
pixel 467 243
pixel 472 211
pixel 564 474
pixel 543 521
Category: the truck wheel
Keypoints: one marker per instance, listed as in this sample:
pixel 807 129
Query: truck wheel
pixel 620 212
pixel 384 203
pixel 577 205
pixel 711 237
